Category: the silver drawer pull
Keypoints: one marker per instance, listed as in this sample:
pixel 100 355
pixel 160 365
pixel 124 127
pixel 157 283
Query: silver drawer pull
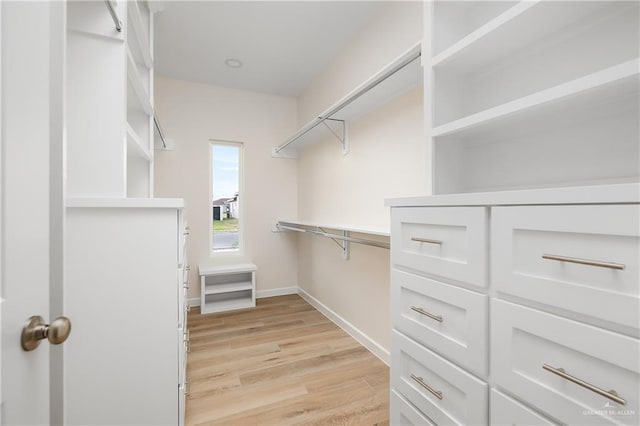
pixel 431 390
pixel 597 263
pixel 427 314
pixel 612 395
pixel 426 240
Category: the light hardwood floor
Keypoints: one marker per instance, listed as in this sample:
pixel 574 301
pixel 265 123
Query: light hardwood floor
pixel 281 363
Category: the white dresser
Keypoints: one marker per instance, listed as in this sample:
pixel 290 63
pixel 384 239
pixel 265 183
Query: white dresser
pixel 517 307
pixel 126 361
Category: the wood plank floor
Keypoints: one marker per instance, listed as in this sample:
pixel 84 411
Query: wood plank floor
pixel 281 363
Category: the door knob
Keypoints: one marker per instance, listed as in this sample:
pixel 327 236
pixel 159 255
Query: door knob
pixel 35 330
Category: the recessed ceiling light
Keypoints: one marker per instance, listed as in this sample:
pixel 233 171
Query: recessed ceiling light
pixel 233 63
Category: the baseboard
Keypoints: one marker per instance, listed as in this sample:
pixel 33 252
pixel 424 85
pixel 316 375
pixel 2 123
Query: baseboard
pixel 354 332
pixel 261 294
pixel 193 302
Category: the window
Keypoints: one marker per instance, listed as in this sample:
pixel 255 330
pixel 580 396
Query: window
pixel 225 197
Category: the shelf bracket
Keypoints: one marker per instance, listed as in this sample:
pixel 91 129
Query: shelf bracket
pixel 342 135
pixel 344 245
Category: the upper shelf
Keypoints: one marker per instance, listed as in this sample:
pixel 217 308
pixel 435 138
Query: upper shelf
pixel 514 29
pixel 142 95
pixel 140 34
pixel 396 78
pixel 594 89
pixel 137 146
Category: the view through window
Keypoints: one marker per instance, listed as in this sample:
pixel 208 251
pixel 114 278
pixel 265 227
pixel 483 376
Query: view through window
pixel 225 196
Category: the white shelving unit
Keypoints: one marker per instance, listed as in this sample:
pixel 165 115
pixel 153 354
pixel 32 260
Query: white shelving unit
pixel 110 97
pixel 534 94
pixel 501 277
pixel 139 104
pixel 394 79
pixel 227 287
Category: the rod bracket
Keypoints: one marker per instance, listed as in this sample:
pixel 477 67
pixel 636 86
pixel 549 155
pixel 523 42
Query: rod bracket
pixel 340 133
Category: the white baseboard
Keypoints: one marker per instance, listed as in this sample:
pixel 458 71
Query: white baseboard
pixel 354 332
pixel 261 294
pixel 193 302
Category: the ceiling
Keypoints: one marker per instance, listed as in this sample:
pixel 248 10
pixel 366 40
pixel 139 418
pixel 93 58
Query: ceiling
pixel 283 45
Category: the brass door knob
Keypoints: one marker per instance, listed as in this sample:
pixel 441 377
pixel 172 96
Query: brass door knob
pixel 36 330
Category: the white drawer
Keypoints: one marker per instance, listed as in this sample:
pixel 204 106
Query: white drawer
pixel 464 398
pixel 401 413
pixel 449 242
pixel 521 236
pixel 524 340
pixel 450 320
pixel 507 411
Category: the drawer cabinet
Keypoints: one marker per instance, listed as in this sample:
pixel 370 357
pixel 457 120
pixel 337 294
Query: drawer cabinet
pixel 535 355
pixel 442 391
pixel 507 411
pixel 579 258
pixel 442 241
pixel 450 320
pixel 405 414
pixel 514 314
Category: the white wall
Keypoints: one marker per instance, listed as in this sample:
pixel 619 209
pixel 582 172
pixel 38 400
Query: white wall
pixel 193 113
pixel 386 159
pixel 390 33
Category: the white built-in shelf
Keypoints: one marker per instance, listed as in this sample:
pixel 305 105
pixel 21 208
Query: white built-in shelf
pixel 393 80
pixel 382 231
pixel 343 237
pixel 519 26
pixel 141 94
pixel 140 33
pixel 136 145
pixel 570 97
pixel 532 95
pixel 227 287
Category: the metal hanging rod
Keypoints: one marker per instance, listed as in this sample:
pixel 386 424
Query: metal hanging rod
pixel 294 227
pixel 160 132
pixel 114 15
pixel 404 60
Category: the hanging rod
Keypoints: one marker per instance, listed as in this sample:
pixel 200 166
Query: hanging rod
pixel 160 132
pixel 405 59
pixel 293 227
pixel 114 15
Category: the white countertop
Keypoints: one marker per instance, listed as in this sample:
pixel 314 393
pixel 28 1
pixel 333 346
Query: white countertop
pixel 98 202
pixel 598 194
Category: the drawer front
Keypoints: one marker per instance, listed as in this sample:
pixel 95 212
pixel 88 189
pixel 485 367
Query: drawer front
pixel 521 236
pixel 450 320
pixel 449 242
pixel 507 411
pixel 401 413
pixel 463 399
pixel 524 340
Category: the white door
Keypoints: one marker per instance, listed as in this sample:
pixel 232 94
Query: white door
pixel 30 215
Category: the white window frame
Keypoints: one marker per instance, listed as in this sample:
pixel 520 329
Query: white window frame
pixel 240 251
